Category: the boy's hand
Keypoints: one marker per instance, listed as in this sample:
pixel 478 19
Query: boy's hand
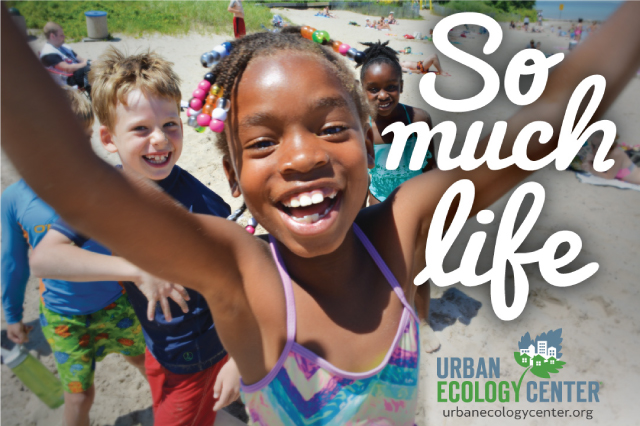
pixel 18 332
pixel 227 386
pixel 157 290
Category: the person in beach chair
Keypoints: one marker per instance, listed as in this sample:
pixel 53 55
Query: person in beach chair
pixel 65 65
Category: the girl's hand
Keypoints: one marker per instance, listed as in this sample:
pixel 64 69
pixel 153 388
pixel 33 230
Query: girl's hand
pixel 157 290
pixel 227 386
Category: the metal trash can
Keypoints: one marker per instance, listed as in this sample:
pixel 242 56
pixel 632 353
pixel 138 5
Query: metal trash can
pixel 19 20
pixel 97 24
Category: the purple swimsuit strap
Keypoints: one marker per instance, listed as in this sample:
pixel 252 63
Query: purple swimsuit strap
pixel 384 269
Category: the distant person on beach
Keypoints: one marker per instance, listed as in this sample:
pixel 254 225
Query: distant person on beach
pixel 67 66
pixel 368 24
pixel 382 24
pixel 526 23
pixel 623 169
pixel 422 66
pixel 531 45
pixel 235 7
pixel 578 30
pixel 137 100
pixel 539 19
pixel 82 321
pixel 512 25
pixel 391 19
pixel 327 13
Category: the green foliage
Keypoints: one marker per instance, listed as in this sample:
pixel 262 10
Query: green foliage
pixel 499 10
pixel 139 17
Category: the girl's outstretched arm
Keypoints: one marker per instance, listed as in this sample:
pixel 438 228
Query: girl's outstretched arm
pixel 133 218
pixel 417 199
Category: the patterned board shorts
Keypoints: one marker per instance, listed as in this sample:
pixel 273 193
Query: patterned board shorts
pixel 78 341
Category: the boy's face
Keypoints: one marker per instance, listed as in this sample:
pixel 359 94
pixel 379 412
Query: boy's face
pixel 298 152
pixel 147 135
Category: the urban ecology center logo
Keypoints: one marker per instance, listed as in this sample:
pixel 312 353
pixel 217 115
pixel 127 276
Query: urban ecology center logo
pixel 541 356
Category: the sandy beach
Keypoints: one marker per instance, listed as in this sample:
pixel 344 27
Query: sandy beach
pixel 599 318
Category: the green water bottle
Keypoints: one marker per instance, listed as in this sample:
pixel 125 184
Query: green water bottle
pixel 34 375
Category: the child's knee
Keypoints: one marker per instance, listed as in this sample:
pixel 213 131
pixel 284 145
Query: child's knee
pixel 81 400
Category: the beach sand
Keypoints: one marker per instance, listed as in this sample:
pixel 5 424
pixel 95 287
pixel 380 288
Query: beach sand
pixel 599 317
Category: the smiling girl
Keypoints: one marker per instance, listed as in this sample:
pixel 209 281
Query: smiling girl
pixel 316 319
pixel 381 77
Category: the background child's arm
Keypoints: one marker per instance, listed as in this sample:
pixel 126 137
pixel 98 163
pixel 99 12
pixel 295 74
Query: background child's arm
pixel 15 269
pixel 417 199
pixel 134 219
pixel 57 258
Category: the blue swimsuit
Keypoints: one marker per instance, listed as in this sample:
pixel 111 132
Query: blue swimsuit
pixel 384 181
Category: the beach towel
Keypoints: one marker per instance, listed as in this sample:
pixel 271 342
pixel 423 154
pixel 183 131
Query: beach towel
pixel 409 37
pixel 595 180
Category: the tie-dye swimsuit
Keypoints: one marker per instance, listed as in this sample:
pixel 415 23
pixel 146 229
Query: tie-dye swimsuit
pixel 304 389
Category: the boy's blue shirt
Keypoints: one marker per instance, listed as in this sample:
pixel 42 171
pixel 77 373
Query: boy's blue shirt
pixel 189 343
pixel 25 221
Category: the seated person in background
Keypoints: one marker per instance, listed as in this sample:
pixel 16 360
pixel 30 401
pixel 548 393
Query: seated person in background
pixel 624 169
pixel 531 45
pixel 391 19
pixel 422 66
pixel 382 24
pixel 512 25
pixel 326 13
pixel 59 59
pixel 368 24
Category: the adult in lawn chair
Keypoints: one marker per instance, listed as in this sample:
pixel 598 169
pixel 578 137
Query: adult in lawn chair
pixel 65 65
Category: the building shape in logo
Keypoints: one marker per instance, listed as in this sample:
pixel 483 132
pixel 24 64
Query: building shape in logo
pixel 542 354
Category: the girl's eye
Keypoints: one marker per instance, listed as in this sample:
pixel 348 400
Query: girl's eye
pixel 392 89
pixel 374 90
pixel 171 124
pixel 261 144
pixel 334 130
pixel 140 128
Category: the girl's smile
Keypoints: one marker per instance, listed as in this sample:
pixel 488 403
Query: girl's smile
pixel 301 161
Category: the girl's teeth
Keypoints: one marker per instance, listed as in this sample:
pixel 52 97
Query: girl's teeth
pixel 317 197
pixel 312 218
pixel 295 202
pixel 305 200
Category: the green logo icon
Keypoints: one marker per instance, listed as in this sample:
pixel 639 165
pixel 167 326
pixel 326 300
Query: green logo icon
pixel 188 356
pixel 540 355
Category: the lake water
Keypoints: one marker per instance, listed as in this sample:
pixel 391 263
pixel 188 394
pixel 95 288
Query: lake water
pixel 587 10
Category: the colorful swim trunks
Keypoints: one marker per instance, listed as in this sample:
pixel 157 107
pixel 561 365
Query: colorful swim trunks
pixel 78 341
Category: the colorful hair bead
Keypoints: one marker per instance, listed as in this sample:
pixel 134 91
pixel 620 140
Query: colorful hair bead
pixel 199 94
pixel 219 114
pixel 216 125
pixel 336 46
pixel 211 99
pixel 222 51
pixel 216 90
pixel 320 36
pixel 203 119
pixel 210 77
pixel 227 46
pixel 351 53
pixel 224 104
pixel 192 121
pixel 204 85
pixel 196 104
pixel 208 109
pixel 250 229
pixel 344 48
pixel 252 222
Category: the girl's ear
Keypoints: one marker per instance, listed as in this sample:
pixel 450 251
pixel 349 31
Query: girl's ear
pixel 230 172
pixel 368 142
pixel 107 140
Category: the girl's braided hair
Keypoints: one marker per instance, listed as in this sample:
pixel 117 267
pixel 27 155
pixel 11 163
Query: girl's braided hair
pixel 379 53
pixel 228 72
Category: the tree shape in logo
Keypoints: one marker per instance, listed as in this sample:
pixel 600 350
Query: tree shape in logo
pixel 541 355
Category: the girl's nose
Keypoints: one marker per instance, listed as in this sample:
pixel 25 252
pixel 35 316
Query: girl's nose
pixel 302 155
